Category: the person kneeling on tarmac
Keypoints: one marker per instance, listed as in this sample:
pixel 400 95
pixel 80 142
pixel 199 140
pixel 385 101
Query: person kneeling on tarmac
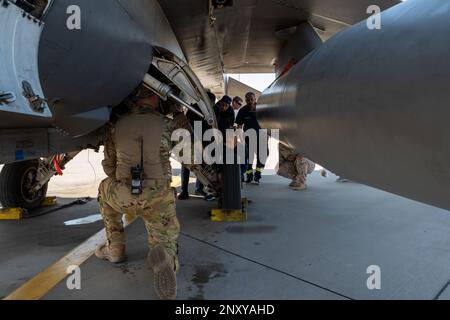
pixel 294 166
pixel 137 163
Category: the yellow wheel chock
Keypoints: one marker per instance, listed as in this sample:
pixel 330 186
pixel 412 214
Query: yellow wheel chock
pixel 20 213
pixel 220 215
pixel 12 213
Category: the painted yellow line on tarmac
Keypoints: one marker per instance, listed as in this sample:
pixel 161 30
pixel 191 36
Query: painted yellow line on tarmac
pixel 45 281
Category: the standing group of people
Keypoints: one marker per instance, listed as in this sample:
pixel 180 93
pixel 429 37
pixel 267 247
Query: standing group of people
pixel 232 114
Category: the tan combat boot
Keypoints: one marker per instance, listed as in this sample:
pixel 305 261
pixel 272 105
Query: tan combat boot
pixel 164 273
pixel 114 253
pixel 297 185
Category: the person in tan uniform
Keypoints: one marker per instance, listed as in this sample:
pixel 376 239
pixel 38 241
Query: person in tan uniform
pixel 137 163
pixel 295 167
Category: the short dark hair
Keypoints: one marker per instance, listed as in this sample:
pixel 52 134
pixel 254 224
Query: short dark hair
pixel 238 99
pixel 227 100
pixel 212 97
pixel 247 96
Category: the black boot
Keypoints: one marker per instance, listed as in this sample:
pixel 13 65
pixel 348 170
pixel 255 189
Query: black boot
pixel 249 177
pixel 258 177
pixel 183 196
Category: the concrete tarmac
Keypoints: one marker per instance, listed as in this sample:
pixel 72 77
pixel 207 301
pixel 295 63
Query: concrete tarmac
pixel 314 244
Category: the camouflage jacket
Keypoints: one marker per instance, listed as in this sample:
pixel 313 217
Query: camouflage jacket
pixel 112 160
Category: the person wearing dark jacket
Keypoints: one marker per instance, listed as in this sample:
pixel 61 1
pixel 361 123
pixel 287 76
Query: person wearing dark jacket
pixel 246 119
pixel 226 119
pixel 225 115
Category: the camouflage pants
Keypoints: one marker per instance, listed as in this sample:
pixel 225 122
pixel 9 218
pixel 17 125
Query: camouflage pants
pixel 303 167
pixel 294 166
pixel 156 206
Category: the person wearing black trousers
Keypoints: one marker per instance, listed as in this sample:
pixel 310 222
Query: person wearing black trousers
pixel 247 120
pixel 185 176
pixel 186 173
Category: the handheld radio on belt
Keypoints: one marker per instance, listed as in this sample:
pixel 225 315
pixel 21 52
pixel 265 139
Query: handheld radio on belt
pixel 137 174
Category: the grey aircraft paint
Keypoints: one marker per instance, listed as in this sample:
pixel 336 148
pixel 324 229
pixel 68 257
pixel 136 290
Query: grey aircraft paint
pixel 373 105
pixel 84 71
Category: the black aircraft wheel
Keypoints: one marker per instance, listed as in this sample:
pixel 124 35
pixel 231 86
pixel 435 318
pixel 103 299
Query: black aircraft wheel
pixel 16 182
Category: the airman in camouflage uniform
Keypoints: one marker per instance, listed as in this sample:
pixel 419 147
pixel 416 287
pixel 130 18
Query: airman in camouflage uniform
pixel 295 167
pixel 141 131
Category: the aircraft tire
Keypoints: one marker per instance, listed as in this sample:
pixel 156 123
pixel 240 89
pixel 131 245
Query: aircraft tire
pixel 15 179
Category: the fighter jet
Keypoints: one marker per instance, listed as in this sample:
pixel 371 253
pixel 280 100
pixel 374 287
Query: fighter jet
pixel 361 92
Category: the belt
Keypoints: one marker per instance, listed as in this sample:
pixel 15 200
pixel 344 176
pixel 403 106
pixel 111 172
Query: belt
pixel 150 183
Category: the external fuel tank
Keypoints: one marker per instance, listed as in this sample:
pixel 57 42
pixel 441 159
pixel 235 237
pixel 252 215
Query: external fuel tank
pixel 374 105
